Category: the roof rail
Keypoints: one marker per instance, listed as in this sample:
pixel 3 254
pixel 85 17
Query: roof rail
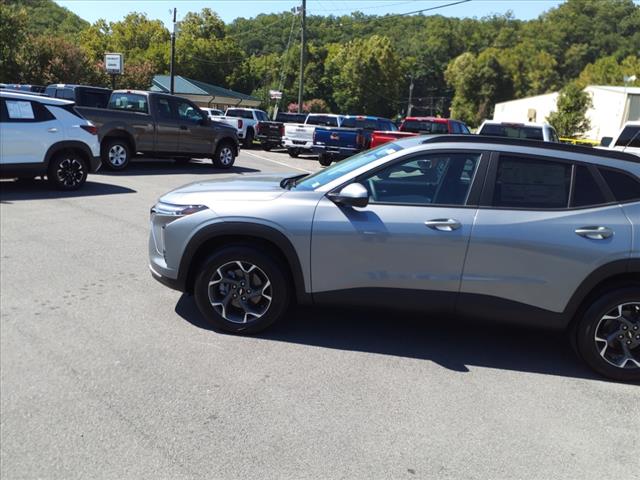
pixel 533 144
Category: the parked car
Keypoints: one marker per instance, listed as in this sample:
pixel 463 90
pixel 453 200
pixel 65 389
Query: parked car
pixel 525 131
pixel 82 95
pixel 247 127
pixel 411 126
pixel 159 125
pixel 269 134
pixel 627 140
pixel 46 136
pixel 353 136
pixel 298 137
pixel 286 117
pixel 527 233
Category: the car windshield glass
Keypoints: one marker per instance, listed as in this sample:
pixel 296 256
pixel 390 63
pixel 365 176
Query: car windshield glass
pixel 342 168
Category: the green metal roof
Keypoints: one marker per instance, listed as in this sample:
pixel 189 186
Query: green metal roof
pixel 187 86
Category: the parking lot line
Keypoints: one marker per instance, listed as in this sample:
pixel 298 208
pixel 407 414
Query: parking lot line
pixel 275 161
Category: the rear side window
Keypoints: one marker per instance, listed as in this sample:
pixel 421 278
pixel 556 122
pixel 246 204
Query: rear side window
pixel 424 126
pixel 627 135
pixel 131 102
pixel 586 191
pixel 513 131
pixel 624 186
pixel 530 183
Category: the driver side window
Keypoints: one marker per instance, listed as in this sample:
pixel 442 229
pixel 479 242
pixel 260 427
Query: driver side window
pixel 439 179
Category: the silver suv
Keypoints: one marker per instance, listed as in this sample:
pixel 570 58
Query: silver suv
pixel 529 233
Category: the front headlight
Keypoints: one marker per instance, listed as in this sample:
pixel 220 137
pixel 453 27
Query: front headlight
pixel 172 210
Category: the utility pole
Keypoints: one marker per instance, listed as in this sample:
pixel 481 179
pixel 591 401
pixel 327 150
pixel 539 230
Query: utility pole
pixel 173 49
pixel 303 12
pixel 410 97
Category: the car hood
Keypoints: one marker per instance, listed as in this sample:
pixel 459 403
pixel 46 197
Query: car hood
pixel 232 187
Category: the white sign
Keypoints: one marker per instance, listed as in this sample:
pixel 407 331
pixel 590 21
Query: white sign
pixel 20 110
pixel 113 63
pixel 275 94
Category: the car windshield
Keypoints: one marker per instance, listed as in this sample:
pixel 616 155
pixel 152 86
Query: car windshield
pixel 339 169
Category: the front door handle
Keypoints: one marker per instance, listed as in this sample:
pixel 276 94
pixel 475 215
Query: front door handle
pixel 595 233
pixel 443 224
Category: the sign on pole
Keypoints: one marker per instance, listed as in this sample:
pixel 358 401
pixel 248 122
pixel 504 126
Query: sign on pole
pixel 275 94
pixel 113 63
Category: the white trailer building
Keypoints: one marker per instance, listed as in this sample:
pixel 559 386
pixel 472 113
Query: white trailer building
pixel 612 107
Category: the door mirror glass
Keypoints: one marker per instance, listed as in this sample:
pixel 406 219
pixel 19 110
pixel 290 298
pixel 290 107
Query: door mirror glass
pixel 353 195
pixel 606 141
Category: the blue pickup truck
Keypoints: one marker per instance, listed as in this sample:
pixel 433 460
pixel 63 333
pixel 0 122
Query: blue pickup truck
pixel 353 136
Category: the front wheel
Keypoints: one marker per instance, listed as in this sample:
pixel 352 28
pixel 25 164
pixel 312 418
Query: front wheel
pixel 325 160
pixel 116 154
pixel 67 171
pixel 608 334
pixel 241 290
pixel 225 156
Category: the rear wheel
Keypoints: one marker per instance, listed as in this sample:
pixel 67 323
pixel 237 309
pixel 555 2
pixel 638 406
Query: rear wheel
pixel 293 152
pixel 324 160
pixel 225 156
pixel 608 334
pixel 116 154
pixel 241 290
pixel 67 171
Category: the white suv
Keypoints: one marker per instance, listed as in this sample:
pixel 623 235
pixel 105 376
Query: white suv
pixel 46 136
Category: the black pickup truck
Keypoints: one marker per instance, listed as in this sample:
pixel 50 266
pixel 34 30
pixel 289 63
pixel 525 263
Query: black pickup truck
pixel 160 126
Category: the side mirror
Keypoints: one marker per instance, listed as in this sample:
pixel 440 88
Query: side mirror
pixel 353 195
pixel 606 141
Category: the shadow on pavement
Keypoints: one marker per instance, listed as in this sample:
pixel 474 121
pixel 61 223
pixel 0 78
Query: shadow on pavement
pixel 455 344
pixel 13 190
pixel 171 167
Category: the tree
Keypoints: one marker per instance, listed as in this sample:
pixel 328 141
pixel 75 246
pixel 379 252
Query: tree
pixel 570 118
pixel 365 75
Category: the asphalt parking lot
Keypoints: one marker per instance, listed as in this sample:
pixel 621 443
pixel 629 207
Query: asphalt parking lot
pixel 107 374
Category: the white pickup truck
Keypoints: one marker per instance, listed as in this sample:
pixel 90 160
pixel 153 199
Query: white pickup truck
pixel 298 137
pixel 244 120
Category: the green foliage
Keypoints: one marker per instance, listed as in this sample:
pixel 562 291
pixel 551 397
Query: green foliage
pixel 570 119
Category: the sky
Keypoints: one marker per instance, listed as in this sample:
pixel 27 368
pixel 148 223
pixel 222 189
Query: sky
pixel 114 10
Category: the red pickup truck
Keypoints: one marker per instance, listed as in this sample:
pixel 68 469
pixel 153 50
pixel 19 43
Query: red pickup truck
pixel 412 126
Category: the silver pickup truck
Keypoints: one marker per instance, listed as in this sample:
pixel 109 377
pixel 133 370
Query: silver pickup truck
pixel 298 137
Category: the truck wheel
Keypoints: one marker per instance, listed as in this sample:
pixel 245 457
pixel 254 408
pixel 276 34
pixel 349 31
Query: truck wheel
pixel 225 156
pixel 67 171
pixel 293 152
pixel 115 154
pixel 325 160
pixel 248 139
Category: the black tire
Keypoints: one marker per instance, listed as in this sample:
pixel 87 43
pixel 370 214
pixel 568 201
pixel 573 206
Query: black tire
pixel 67 171
pixel 223 260
pixel 115 153
pixel 293 152
pixel 225 156
pixel 591 322
pixel 248 139
pixel 325 160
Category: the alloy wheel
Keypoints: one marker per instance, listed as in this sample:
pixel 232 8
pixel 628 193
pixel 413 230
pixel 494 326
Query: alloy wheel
pixel 117 155
pixel 617 336
pixel 240 292
pixel 70 172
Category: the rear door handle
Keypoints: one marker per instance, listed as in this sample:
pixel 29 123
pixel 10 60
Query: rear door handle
pixel 443 224
pixel 595 233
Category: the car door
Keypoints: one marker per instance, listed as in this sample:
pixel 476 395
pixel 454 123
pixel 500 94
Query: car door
pixel 196 137
pixel 28 130
pixel 409 241
pixel 542 227
pixel 167 125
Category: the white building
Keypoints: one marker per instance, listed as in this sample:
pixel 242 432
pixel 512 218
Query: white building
pixel 612 107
